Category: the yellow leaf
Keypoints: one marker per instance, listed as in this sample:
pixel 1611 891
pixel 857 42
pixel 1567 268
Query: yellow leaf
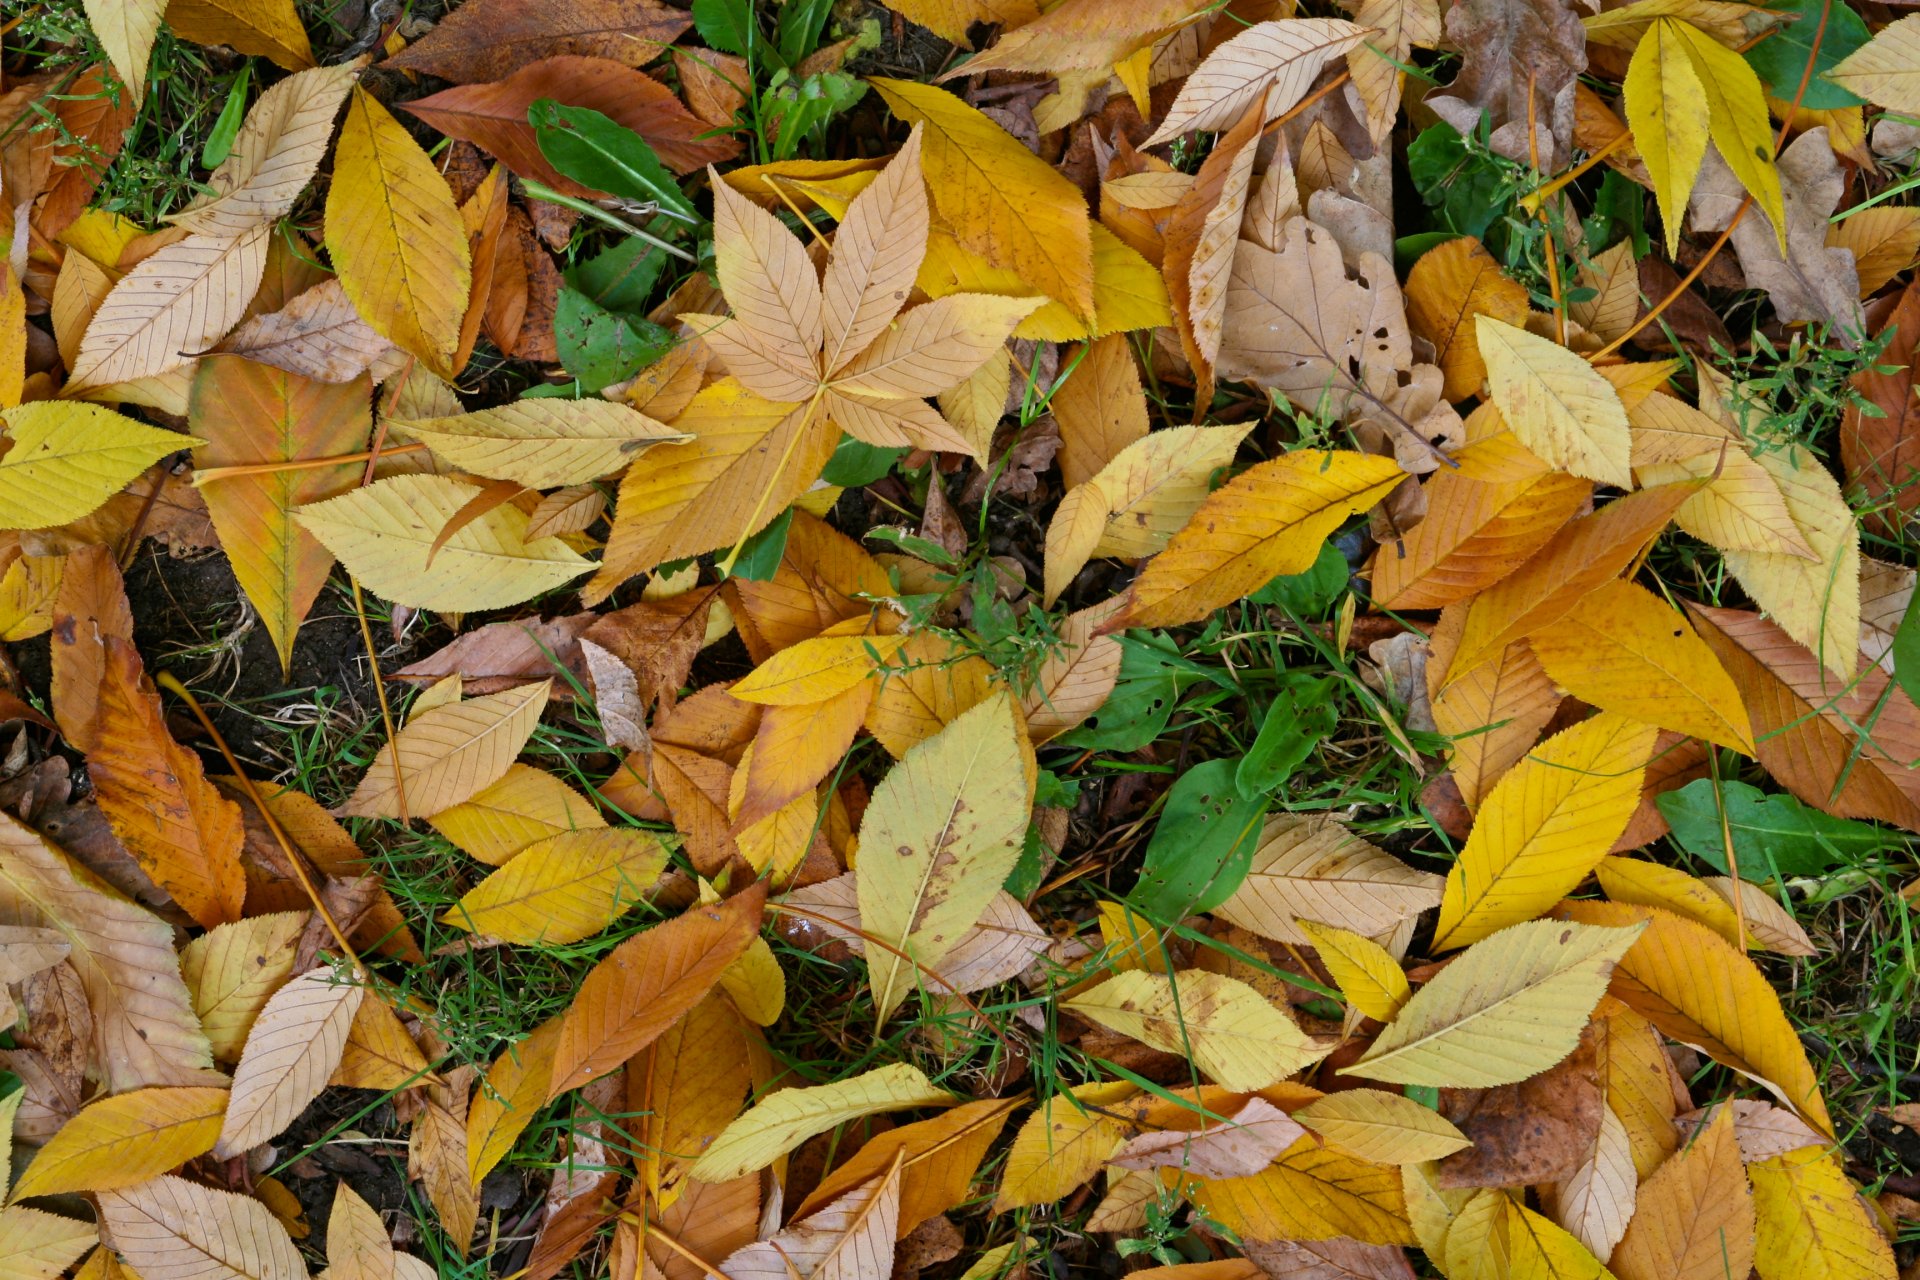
pixel 1100 408
pixel 28 591
pixel 126 1139
pixel 952 816
pixel 1475 533
pixel 293 1048
pixel 748 460
pixel 815 670
pixel 1811 1222
pixel 1884 241
pixel 784 1120
pixel 1063 1144
pixel 1613 276
pixel 542 443
pixel 516 1087
pixel 41 1246
pixel 358 1247
pixel 1537 1247
pixel 1366 973
pixel 1544 827
pixel 175 304
pixel 1269 520
pixel 1312 1192
pixel 449 754
pixel 1740 506
pixel 1666 107
pixel 940 1158
pixel 1310 867
pixel 1509 1008
pixel 1432 1209
pixel 1737 111
pixel 1494 715
pixel 395 236
pixel 250 413
pixel 1555 404
pixel 379 1052
pixel 1385 1128
pixel 1448 287
pixel 949 19
pixel 756 984
pixel 645 984
pixel 68 458
pixel 263 28
pixel 1649 884
pixel 930 681
pixel 686 1087
pixel 1886 70
pixel 274 155
pixel 1696 988
pixel 384 535
pixel 997 197
pixel 233 968
pixel 525 807
pixel 13 344
pixel 1624 649
pixel 562 889
pixel 1129 941
pixel 1695 1219
pixel 1233 1036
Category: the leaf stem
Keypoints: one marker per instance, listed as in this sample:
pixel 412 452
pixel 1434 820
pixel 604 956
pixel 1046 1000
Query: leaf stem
pixel 299 464
pixel 540 191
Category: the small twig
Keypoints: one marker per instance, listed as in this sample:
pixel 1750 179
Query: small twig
pixel 540 191
pixel 1726 841
pixel 1306 102
pixel 210 474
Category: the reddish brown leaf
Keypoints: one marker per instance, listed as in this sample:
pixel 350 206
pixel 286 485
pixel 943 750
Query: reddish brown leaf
pixel 488 39
pixel 1880 454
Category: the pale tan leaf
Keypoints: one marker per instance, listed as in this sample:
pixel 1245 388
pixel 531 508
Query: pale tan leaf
pixel 1309 866
pixel 876 253
pixel 1273 63
pixel 850 1239
pixel 291 1052
pixel 1253 1137
pixel 1596 1202
pixel 316 335
pixel 172 1229
pixel 232 970
pixel 449 754
pixel 275 154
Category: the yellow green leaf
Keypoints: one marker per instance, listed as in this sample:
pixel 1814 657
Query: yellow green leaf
pixel 1737 112
pixel 68 457
pixel 1509 1008
pixel 1545 826
pixel 1386 1128
pixel 1230 1032
pixel 815 670
pixel 1555 404
pixel 525 807
pixel 565 888
pixel 788 1118
pixel 1063 1144
pixel 542 443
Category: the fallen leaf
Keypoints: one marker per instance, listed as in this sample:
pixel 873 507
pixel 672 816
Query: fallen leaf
pixel 1232 1034
pixel 789 1117
pixel 488 39
pixel 447 755
pixel 291 1051
pixel 172 1229
pixel 562 889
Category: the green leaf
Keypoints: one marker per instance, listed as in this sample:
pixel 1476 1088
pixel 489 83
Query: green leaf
pixel 1466 187
pixel 856 463
pixel 1308 595
pixel 1202 845
pixel 1906 650
pixel 1781 58
pixel 1140 705
pixel 759 557
pixel 227 126
pixel 622 278
pixel 599 347
pixel 798 31
pixel 1301 716
pixel 726 25
pixel 596 152
pixel 1773 835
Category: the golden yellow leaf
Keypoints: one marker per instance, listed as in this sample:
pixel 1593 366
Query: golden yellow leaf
pixel 646 983
pixel 449 754
pixel 1269 520
pixel 1649 884
pixel 28 591
pixel 1233 1036
pixel 232 970
pixel 1498 1237
pixel 1510 1007
pixel 1431 1208
pixel 1696 988
pixel 1384 1128
pixel 66 458
pixel 1312 1192
pixel 952 816
pixel 1666 107
pixel 784 1120
pixel 527 805
pixel 928 683
pixel 1613 275
pixel 1544 827
pixel 562 889
pixel 263 28
pixel 379 1053
pixel 997 197
pixel 385 534
pixel 395 236
pixel 1100 408
pixel 437 1156
pixel 126 1139
pixel 1063 1144
pixel 515 1088
pixel 815 670
pixel 1311 867
pixel 1476 532
pixel 179 301
pixel 1624 649
pixel 1740 506
pixel 275 154
pixel 1366 973
pixel 292 1049
pixel 1448 287
pixel 939 1159
pixel 1884 241
pixel 1555 404
pixel 1695 1219
pixel 1811 1222
pixel 1494 714
pixel 358 1247
pixel 542 443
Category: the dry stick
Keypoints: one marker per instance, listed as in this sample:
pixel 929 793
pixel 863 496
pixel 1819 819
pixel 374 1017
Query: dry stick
pixel 659 1233
pixel 1553 250
pixel 167 681
pixel 301 464
pixel 1306 102
pixel 1746 203
pixel 366 637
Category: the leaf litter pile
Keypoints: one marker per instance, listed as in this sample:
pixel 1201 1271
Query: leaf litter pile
pixel 976 641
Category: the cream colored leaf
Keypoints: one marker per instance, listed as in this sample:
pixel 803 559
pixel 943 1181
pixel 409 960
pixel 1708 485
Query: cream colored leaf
pixel 126 29
pixel 41 1246
pixel 1386 1128
pixel 1817 602
pixel 395 235
pixel 1509 1008
pixel 1596 1202
pixel 233 968
pixel 565 888
pixel 1886 70
pixel 172 1229
pixel 850 1239
pixel 275 154
pixel 542 443
pixel 1555 404
pixel 1310 867
pixel 933 347
pixel 67 458
pixel 770 284
pixel 358 1247
pixel 876 254
pixel 294 1046
pixel 1250 1140
pixel 384 533
pixel 1231 1033
pixel 783 1120
pixel 126 1139
pixel 1271 62
pixel 316 335
pixel 449 754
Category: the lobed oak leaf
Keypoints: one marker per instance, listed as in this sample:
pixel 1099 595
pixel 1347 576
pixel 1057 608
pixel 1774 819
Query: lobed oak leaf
pixel 1521 64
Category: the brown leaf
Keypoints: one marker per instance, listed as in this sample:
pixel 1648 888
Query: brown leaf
pixel 657 639
pixel 494 116
pixel 95 112
pixel 502 655
pixel 437 1156
pixel 1338 1258
pixel 1880 453
pixel 488 39
pixel 1536 1131
pixel 1516 50
pixel 1696 1219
